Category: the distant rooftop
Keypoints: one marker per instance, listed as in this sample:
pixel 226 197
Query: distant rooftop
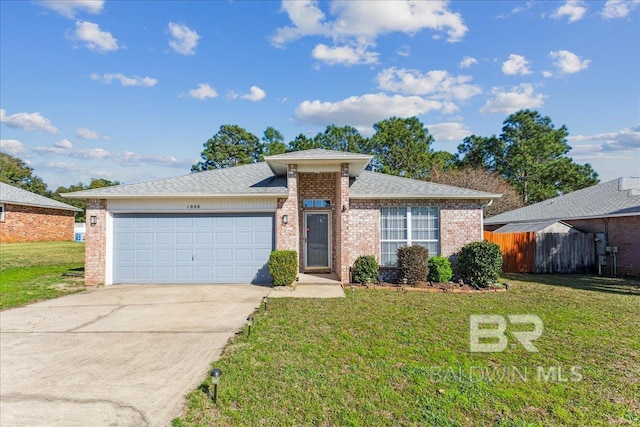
pixel 17 196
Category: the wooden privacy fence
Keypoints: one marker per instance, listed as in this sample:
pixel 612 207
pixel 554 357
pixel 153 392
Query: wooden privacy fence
pixel 530 252
pixel 518 250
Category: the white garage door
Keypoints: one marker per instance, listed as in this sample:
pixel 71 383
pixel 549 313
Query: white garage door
pixel 192 248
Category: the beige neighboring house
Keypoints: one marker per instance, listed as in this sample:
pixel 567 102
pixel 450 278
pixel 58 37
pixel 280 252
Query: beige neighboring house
pixel 219 226
pixel 29 217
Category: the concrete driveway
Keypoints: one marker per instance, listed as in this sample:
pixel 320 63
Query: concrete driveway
pixel 117 356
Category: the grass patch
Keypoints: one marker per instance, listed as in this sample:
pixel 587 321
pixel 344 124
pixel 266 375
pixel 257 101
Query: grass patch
pixel 390 358
pixel 31 272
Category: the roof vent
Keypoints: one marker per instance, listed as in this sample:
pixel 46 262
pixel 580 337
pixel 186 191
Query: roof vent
pixel 631 185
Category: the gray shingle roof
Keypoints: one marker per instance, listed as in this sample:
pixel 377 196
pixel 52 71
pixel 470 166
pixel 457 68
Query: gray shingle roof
pixel 246 180
pixel 357 162
pixel 377 185
pixel 17 196
pixel 620 197
pixel 319 154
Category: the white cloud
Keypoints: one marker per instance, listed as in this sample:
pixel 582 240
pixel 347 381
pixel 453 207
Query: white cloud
pixel 547 73
pixel 64 144
pixel 437 83
pixel 184 40
pixel 517 98
pixel 203 91
pixel 93 37
pixel 468 61
pixel 255 94
pixel 27 121
pixel 85 133
pixel 363 111
pixel 359 24
pixel 125 80
pixel 618 8
pixel 404 51
pixel 528 5
pixel 516 64
pixel 451 131
pixel 568 62
pixel 69 8
pixel 606 143
pixel 573 9
pixel 11 146
pixel 344 55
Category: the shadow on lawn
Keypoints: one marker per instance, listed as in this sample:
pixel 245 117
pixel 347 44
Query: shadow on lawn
pixel 627 286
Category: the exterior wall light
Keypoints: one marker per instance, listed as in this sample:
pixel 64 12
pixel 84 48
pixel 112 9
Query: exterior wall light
pixel 93 220
pixel 215 380
pixel 285 219
pixel 344 208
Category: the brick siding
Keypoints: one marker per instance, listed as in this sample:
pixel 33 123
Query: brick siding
pixel 34 224
pixel 623 232
pixel 96 243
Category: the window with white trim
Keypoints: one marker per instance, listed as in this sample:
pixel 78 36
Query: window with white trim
pixel 406 226
pixel 1 212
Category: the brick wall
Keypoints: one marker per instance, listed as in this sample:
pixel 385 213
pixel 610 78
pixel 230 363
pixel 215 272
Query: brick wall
pixel 460 223
pixel 623 232
pixel 33 224
pixel 96 243
pixel 287 234
pixel 342 211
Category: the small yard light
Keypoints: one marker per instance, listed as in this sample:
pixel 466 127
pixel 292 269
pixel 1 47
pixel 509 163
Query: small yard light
pixel 353 289
pixel 285 219
pixel 249 322
pixel 215 379
pixel 93 220
pixel 264 300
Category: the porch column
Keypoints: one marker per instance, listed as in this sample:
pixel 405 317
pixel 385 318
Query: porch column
pixel 342 223
pixel 287 235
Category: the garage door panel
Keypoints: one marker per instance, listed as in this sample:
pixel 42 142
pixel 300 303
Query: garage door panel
pixel 192 248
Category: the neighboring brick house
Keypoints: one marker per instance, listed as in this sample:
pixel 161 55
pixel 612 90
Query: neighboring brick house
pixel 611 210
pixel 29 217
pixel 219 226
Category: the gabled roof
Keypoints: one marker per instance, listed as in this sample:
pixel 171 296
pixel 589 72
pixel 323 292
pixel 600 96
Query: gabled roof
pixel 620 197
pixel 375 185
pixel 357 162
pixel 17 196
pixel 548 226
pixel 246 180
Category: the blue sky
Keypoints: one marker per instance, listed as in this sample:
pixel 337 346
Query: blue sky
pixel 130 91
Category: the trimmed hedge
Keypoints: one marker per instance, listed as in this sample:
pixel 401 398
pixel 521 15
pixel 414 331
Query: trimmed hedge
pixel 283 267
pixel 412 263
pixel 480 263
pixel 439 269
pixel 365 269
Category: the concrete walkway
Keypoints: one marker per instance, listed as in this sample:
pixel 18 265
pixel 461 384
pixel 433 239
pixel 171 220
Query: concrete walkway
pixel 313 285
pixel 121 355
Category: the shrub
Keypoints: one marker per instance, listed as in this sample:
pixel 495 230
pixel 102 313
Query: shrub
pixel 439 269
pixel 412 263
pixel 365 269
pixel 480 263
pixel 283 267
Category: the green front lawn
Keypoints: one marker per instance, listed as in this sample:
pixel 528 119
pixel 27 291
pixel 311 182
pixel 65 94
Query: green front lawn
pixel 34 271
pixel 389 358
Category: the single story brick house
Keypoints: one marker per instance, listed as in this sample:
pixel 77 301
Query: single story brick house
pixel 219 226
pixel 29 217
pixel 610 209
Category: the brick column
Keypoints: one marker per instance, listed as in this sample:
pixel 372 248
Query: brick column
pixel 95 243
pixel 287 234
pixel 342 223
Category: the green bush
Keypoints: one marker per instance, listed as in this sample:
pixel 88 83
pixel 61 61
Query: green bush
pixel 365 269
pixel 412 263
pixel 480 263
pixel 283 267
pixel 439 269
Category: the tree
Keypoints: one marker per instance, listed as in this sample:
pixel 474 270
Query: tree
pixel 231 146
pixel 534 159
pixel 481 179
pixel 14 171
pixel 303 142
pixel 442 161
pixel 273 142
pixel 481 152
pixel 345 138
pixel 402 147
pixel 80 203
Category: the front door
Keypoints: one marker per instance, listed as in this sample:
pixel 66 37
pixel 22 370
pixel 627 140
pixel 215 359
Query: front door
pixel 317 240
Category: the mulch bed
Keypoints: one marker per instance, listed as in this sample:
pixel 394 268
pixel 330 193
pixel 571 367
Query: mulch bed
pixel 461 288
